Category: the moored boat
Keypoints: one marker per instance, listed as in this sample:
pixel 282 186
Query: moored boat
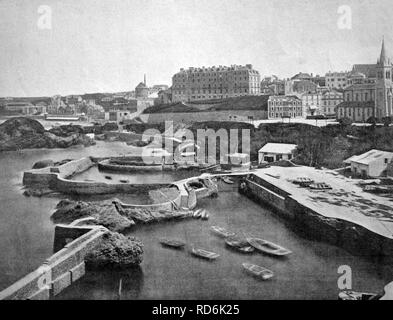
pixel 239 244
pixel 197 213
pixel 258 271
pixel 227 180
pixel 201 253
pixel 268 247
pixel 222 232
pixel 172 243
pixel 205 215
pixel 353 295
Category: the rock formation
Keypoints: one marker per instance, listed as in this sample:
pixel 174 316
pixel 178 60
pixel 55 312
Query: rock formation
pixel 115 251
pixel 112 214
pixel 25 133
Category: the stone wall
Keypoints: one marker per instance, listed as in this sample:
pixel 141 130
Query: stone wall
pixel 189 117
pixel 61 269
pixel 352 237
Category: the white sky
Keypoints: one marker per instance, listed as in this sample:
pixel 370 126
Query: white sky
pixel 107 45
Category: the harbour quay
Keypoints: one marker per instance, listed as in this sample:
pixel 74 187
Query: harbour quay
pixel 342 214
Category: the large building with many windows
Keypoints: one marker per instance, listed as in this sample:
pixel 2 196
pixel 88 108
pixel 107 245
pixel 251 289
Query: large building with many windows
pixel 284 107
pixel 371 92
pixel 220 82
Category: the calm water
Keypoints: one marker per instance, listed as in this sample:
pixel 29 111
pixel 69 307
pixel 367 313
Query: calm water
pixel 309 273
pixel 26 231
pixel 26 240
pixel 138 177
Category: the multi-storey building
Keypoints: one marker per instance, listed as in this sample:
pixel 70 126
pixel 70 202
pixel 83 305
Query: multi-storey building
pixel 215 83
pixel 330 100
pixel 284 107
pixel 336 80
pixel 371 92
pixel 312 103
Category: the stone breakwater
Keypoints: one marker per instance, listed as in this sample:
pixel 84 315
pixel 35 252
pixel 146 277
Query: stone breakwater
pixel 353 237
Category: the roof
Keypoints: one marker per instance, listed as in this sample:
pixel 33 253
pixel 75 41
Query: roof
pixel 141 85
pixel 369 70
pixel 370 156
pixel 356 104
pixel 361 86
pixel 284 148
pixel 301 75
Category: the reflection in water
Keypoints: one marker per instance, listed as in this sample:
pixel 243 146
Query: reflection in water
pixel 108 284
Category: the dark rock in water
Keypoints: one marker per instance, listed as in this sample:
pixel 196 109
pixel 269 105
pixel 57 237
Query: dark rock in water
pixel 25 133
pixel 115 251
pixel 104 212
pixel 27 193
pixel 112 214
pixel 43 164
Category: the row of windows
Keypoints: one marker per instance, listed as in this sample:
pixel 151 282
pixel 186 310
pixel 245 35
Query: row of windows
pixel 366 111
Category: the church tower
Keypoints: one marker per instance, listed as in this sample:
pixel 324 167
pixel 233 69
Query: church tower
pixel 383 86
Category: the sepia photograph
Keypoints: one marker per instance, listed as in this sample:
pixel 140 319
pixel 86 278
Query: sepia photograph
pixel 196 150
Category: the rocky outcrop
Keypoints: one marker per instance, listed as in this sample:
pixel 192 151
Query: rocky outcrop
pixel 25 133
pixel 43 164
pixel 112 214
pixel 115 251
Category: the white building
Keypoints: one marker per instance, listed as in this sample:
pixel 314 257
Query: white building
pixel 336 80
pixel 370 164
pixel 284 107
pixel 272 152
pixel 312 103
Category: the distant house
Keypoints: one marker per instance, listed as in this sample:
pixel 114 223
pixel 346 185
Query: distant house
pixel 370 164
pixel 271 152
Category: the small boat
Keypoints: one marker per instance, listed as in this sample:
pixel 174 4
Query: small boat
pixel 239 244
pixel 268 247
pixel 197 213
pixel 204 215
pixel 204 254
pixel 222 232
pixel 303 181
pixel 228 180
pixel 353 295
pixel 320 186
pixel 108 177
pixel 258 271
pixel 172 243
pixel 124 181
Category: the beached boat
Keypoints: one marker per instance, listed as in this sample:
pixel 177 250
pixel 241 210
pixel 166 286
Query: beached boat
pixel 201 253
pixel 303 181
pixel 222 232
pixel 353 295
pixel 205 215
pixel 172 243
pixel 197 213
pixel 228 180
pixel 320 186
pixel 124 181
pixel 108 177
pixel 239 244
pixel 268 247
pixel 258 271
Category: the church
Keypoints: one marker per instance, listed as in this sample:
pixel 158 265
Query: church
pixel 370 96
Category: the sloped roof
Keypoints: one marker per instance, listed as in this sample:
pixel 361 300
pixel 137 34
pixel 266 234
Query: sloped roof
pixel 141 85
pixel 369 70
pixel 370 156
pixel 283 148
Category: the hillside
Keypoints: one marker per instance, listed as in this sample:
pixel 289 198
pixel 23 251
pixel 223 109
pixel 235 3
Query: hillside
pixel 24 133
pixel 237 103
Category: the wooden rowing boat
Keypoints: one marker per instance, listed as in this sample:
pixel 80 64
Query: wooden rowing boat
pixel 258 271
pixel 228 180
pixel 353 295
pixel 268 247
pixel 239 244
pixel 204 254
pixel 222 232
pixel 205 215
pixel 197 213
pixel 172 243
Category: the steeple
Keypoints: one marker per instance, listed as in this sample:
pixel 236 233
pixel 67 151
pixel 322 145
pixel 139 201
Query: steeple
pixel 383 58
pixel 144 79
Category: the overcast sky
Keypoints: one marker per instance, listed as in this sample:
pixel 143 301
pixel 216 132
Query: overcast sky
pixel 107 45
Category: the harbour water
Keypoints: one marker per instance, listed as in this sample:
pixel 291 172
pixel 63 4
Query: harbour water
pixel 26 240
